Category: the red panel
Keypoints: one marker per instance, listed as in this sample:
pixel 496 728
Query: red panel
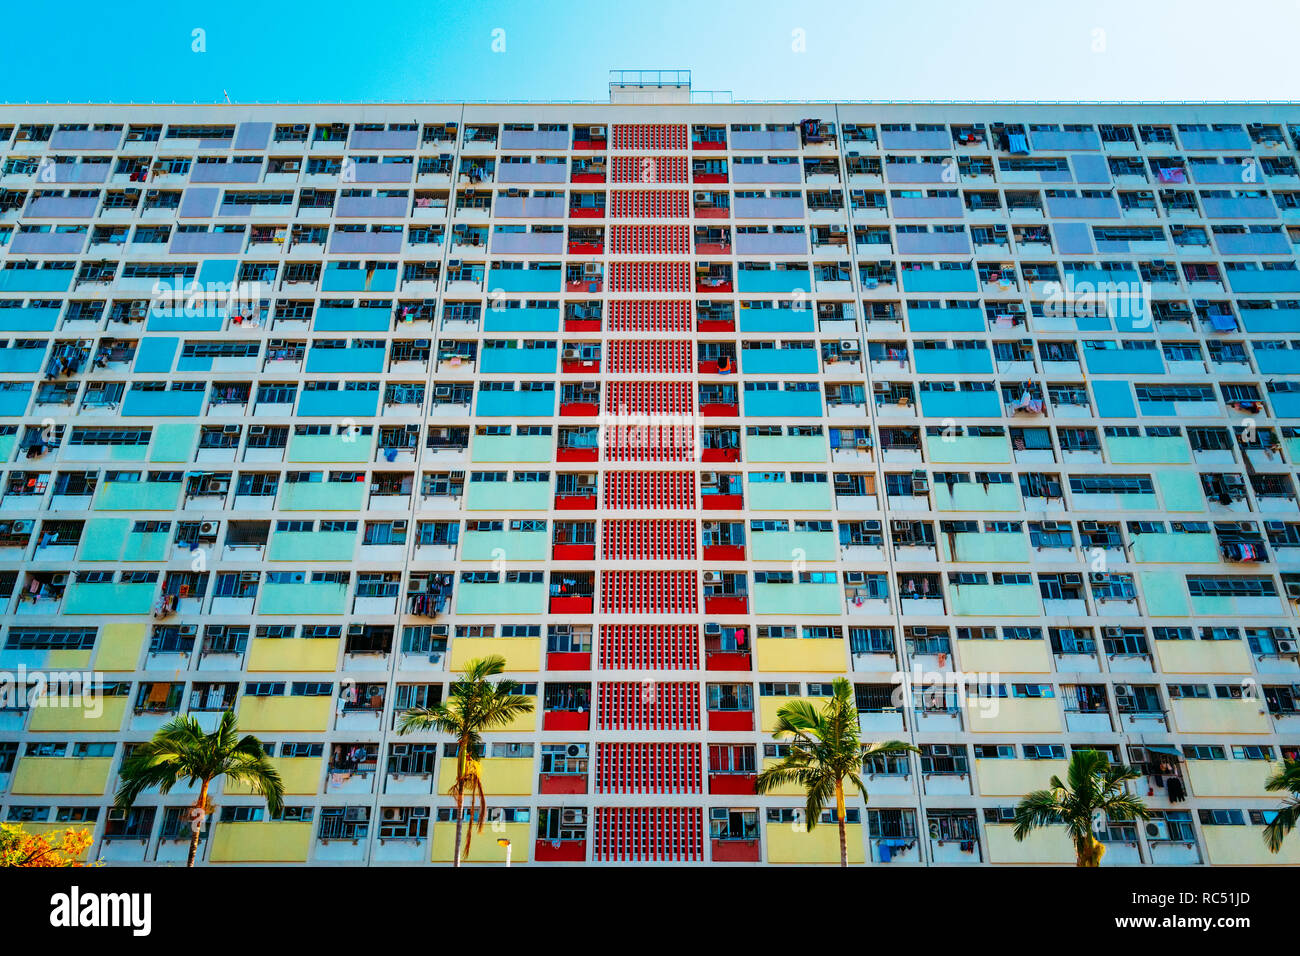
pixel 587 248
pixel 713 248
pixel 566 720
pixel 588 177
pixel 573 367
pixel 723 552
pixel 709 177
pixel 581 325
pixel 709 145
pixel 717 454
pixel 572 605
pixel 577 454
pixel 562 783
pixel 580 409
pixel 574 552
pixel 722 502
pixel 712 213
pixel 560 851
pixel 597 144
pixel 568 661
pixel 719 410
pixel 591 286
pixel 731 720
pixel 731 783
pixel 575 502
pixel 726 661
pixel 735 851
pixel 586 212
pixel 717 325
pixel 714 287
pixel 726 604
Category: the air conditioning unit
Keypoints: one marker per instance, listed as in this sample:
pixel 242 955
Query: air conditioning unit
pixel 701 197
pixel 1123 690
pixel 188 630
pixel 597 132
pixel 356 630
pixel 712 577
pixel 1286 647
pixel 248 577
pixel 572 817
pixel 453 263
pixel 1072 579
pixel 1293 589
pixel 712 630
pixel 1278 527
pixel 421 343
pixel 939 750
pixel 116 813
pixel 1157 829
pixel 59 580
pixel 589 386
pixel 708 478
pixel 208 529
pixel 571 354
pixel 586 481
pixel 880 386
pixel 591 268
pixel 355 814
pixel 920 484
pixel 399 525
pixel 257 429
pixel 391 813
pixel 442 391
pixel 21 527
pixel 230 429
pixel 576 750
pixel 849 346
pixel 1097 577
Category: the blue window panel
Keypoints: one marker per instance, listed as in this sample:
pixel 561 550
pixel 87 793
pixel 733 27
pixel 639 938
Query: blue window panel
pixel 339 404
pixel 1278 361
pixel 35 280
pixel 951 361
pixel 1073 237
pixel 330 319
pixel 938 280
pixel 1245 207
pixel 512 404
pixel 199 202
pixel 28 319
pixel 1082 207
pixel 21 361
pixel 1285 404
pixel 777 320
pixel 1263 280
pixel 138 404
pixel 217 271
pixel 14 398
pixel 521 320
pixel 541 361
pixel 946 320
pixel 773 280
pixel 1114 400
pixel 366 361
pixel 185 323
pixel 1090 168
pixel 524 280
pixel 253 135
pixel 1271 320
pixel 157 355
pixel 336 279
pixel 778 361
pixel 1116 362
pixel 777 404
pixel 961 405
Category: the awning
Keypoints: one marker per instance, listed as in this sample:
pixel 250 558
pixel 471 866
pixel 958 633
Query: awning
pixel 1163 749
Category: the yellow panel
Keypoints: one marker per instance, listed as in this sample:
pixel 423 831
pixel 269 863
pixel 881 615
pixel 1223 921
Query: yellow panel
pixel 767 708
pixel 501 775
pixel 261 841
pixel 68 660
pixel 1035 715
pixel 1244 846
pixel 801 655
pixel 284 713
pixel 1004 657
pixel 521 653
pixel 301 775
pixel 523 724
pixel 120 643
pixel 293 654
pixel 1015 778
pixel 105 716
pixel 84 776
pixel 786 789
pixel 1221 717
pixel 1203 657
pixel 1229 778
pixel 483 847
pixel 54 833
pixel 1048 845
pixel 818 845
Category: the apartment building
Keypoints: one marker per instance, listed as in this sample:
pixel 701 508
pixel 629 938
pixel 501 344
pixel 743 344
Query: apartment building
pixel 686 410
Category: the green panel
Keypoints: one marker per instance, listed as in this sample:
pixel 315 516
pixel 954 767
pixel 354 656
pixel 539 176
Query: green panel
pixel 1165 593
pixel 323 496
pixel 173 442
pixel 806 597
pixel 102 539
pixel 1214 606
pixel 515 545
pixel 147 547
pixel 759 448
pixel 508 496
pixel 138 496
pixel 332 448
pixel 7 443
pixel 1292 448
pixel 305 598
pixel 512 448
pixel 989 546
pixel 783 545
pixel 501 598
pixel 967 448
pixel 1181 490
pixel 993 600
pixel 109 599
pixel 971 496
pixel 311 545
pixel 1175 549
pixel 1148 451
pixel 1136 502
pixel 789 496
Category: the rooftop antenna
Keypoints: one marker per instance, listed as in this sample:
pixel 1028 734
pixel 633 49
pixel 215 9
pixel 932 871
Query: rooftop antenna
pixel 227 95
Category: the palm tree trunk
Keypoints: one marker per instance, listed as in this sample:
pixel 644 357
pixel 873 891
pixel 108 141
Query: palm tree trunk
pixel 202 807
pixel 839 815
pixel 1088 852
pixel 460 800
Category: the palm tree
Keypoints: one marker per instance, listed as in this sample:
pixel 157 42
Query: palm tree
pixel 1095 786
pixel 473 705
pixel 180 750
pixel 1286 780
pixel 826 749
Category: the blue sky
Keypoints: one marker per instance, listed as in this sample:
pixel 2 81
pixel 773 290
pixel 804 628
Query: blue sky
pixel 418 50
